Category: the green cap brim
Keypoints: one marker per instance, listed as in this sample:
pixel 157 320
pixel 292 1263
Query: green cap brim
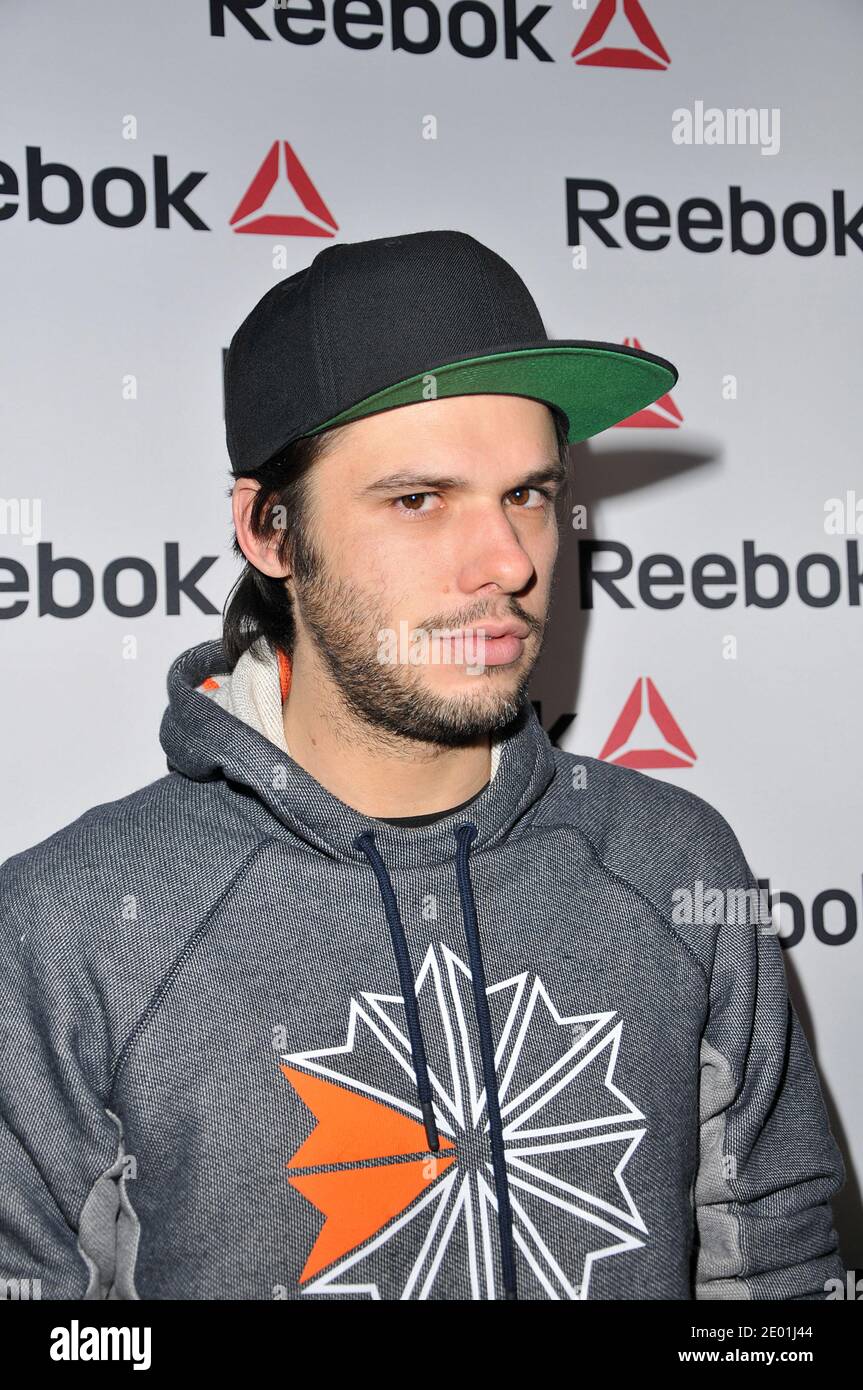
pixel 595 385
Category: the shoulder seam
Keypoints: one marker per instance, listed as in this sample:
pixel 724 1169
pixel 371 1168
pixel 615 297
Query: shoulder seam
pixel 165 983
pixel 633 887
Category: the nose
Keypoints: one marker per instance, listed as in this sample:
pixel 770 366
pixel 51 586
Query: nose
pixel 492 552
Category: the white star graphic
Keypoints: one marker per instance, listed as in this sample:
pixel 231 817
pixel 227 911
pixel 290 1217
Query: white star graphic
pixel 569 1133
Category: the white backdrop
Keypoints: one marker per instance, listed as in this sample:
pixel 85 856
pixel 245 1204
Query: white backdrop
pixel 112 433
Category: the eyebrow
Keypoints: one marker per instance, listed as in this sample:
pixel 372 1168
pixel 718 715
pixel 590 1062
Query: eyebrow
pixel 553 472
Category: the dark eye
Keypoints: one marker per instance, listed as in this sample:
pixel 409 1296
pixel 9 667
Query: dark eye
pixel 543 492
pixel 413 511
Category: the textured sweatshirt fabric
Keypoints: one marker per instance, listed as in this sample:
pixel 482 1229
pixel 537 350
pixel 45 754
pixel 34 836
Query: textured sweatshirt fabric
pixel 259 1045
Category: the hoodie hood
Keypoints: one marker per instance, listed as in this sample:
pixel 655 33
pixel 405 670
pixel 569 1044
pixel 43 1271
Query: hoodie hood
pixel 221 724
pixel 255 690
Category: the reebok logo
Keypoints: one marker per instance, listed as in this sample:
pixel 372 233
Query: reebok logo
pixel 141 590
pixel 646 734
pixel 366 1168
pixel 118 197
pixel 294 184
pixel 472 30
pixel 713 580
pixel 619 35
pixel 747 225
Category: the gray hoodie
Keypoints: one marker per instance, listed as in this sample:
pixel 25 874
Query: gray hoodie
pixel 259 1045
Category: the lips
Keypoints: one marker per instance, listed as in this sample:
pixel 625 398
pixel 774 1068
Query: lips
pixel 493 630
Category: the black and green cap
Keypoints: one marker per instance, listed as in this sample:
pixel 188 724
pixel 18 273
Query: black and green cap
pixel 375 325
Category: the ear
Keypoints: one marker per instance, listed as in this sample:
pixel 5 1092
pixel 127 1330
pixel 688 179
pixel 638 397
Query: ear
pixel 260 551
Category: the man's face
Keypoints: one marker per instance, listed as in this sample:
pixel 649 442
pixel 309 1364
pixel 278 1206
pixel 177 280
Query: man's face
pixel 427 519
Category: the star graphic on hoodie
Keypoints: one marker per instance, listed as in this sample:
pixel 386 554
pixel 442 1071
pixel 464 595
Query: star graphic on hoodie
pixel 403 1222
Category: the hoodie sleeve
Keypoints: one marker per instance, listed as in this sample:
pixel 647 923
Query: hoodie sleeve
pixel 768 1164
pixel 60 1158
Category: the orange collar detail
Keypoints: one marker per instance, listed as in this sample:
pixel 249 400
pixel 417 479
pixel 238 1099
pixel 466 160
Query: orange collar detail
pixel 284 673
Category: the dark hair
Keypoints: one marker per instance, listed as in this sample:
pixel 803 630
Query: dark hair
pixel 260 605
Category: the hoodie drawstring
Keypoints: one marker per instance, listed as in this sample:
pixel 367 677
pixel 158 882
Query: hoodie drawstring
pixel 365 842
pixel 464 835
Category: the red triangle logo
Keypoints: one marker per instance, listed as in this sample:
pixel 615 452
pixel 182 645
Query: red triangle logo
pixel 617 50
pixel 662 415
pixel 646 734
pixel 299 186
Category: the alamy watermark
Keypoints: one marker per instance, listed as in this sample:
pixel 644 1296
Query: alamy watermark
pixel 77 1343
pixel 438 646
pixel 708 125
pixel 704 906
pixel 21 516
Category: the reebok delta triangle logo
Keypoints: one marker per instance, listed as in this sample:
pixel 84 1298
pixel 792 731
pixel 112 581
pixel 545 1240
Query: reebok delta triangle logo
pixel 662 415
pixel 619 35
pixel 402 1222
pixel 646 734
pixel 288 185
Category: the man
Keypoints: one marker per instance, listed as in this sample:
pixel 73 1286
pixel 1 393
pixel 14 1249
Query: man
pixel 378 994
